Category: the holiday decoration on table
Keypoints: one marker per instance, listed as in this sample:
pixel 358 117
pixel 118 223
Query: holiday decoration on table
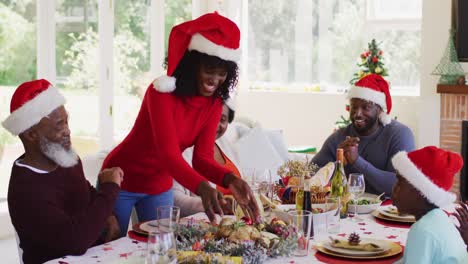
pixel 290 173
pixel 254 243
pixel 449 67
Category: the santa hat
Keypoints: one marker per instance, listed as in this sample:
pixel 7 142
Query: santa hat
pixel 31 102
pixel 374 88
pixel 431 171
pixel 211 33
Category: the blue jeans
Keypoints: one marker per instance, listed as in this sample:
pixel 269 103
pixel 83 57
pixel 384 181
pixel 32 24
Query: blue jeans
pixel 144 204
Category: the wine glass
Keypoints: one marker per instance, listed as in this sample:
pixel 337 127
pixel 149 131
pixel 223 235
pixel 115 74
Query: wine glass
pixel 263 179
pixel 356 186
pixel 161 248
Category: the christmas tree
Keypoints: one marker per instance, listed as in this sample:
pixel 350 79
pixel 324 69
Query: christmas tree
pixel 371 62
pixel 449 67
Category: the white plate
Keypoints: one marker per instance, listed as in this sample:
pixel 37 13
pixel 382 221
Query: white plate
pixel 385 210
pixel 366 208
pixel 385 245
pixel 150 226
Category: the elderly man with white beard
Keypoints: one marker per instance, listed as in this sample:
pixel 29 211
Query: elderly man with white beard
pixel 54 209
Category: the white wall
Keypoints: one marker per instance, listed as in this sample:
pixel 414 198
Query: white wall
pixel 307 119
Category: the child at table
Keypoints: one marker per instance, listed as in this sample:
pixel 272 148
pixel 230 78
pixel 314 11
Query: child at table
pixel 424 178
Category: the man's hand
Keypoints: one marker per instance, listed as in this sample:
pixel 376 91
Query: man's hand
pixel 244 197
pixel 113 229
pixel 462 216
pixel 350 148
pixel 114 175
pixel 212 200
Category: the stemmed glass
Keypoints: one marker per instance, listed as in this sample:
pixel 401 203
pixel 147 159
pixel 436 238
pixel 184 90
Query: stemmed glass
pixel 261 183
pixel 161 248
pixel 356 186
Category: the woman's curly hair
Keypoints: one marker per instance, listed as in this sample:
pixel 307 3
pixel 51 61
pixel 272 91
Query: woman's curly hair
pixel 187 69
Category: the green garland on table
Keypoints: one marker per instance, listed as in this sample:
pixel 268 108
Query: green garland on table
pixel 252 252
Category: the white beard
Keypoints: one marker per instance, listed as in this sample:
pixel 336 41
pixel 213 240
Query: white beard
pixel 58 154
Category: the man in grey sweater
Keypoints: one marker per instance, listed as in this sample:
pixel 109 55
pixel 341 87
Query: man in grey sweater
pixel 372 138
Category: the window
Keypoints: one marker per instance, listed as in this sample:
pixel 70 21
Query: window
pixel 132 58
pixel 77 64
pixel 314 45
pixel 139 28
pixel 17 63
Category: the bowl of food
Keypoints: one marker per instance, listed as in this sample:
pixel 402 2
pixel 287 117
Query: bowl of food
pixel 365 204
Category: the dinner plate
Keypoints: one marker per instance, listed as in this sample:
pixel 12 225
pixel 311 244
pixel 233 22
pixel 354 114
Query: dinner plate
pixel 387 211
pixel 383 244
pixel 377 214
pixel 394 250
pixel 143 228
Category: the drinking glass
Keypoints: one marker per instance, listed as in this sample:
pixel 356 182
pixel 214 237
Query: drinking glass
pixel 263 179
pixel 168 217
pixel 356 186
pixel 161 248
pixel 260 183
pixel 332 205
pixel 301 221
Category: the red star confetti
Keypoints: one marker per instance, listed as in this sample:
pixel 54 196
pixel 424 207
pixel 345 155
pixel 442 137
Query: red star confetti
pixel 367 233
pixel 342 235
pixel 392 237
pixel 125 255
pixel 107 248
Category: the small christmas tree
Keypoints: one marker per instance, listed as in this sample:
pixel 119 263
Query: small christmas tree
pixel 449 67
pixel 371 62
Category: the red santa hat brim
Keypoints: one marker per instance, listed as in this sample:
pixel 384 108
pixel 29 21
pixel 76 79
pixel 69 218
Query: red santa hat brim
pixel 371 95
pixel 433 193
pixel 33 111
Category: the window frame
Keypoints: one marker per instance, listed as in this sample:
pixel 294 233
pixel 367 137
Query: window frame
pixel 372 23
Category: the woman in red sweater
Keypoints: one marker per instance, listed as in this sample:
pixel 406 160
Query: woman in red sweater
pixel 181 110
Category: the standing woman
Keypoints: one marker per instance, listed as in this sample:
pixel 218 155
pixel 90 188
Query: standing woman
pixel 181 110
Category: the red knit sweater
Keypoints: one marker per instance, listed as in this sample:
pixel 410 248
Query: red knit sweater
pixel 57 213
pixel 166 125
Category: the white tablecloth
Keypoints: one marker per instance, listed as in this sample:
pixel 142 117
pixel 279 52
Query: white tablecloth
pixel 126 250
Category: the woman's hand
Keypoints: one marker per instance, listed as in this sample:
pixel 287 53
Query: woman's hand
pixel 212 200
pixel 244 196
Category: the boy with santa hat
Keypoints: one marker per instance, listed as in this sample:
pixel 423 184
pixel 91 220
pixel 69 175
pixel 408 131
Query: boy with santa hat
pixel 424 178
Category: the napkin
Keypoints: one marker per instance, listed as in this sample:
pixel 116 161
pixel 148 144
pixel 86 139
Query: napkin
pixel 371 247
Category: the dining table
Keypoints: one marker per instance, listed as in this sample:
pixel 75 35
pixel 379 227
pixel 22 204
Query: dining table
pixel 132 248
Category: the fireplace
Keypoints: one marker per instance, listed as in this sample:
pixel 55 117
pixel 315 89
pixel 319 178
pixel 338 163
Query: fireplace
pixel 464 153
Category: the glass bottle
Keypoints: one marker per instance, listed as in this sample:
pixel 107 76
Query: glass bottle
pixel 339 186
pixel 300 193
